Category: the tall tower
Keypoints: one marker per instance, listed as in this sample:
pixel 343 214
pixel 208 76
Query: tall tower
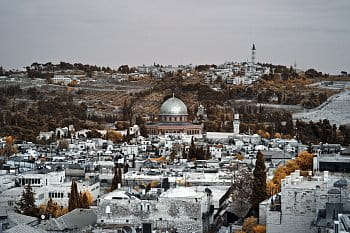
pixel 253 55
pixel 235 123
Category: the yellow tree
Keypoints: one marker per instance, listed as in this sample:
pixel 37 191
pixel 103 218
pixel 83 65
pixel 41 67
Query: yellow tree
pixel 239 156
pixel 271 188
pixel 114 136
pixel 90 198
pixel 9 148
pixel 248 224
pixel 305 160
pixel 52 209
pixel 291 166
pixel 279 174
pixel 259 229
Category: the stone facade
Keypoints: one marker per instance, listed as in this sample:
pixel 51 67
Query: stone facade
pixel 298 206
pixel 185 214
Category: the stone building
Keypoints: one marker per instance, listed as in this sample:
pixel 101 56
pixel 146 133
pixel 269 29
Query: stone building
pixel 173 120
pixel 178 209
pixel 306 204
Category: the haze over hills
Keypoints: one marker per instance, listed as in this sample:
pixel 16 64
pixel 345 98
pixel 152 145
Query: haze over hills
pixel 313 33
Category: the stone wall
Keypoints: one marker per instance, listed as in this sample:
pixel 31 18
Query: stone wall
pixel 183 214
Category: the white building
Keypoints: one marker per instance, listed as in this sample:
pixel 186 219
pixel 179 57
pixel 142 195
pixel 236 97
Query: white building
pixel 183 209
pixel 306 204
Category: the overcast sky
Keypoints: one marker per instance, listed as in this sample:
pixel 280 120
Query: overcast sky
pixel 314 33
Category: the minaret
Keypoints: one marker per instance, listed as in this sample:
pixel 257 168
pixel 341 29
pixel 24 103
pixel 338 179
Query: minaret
pixel 235 123
pixel 253 55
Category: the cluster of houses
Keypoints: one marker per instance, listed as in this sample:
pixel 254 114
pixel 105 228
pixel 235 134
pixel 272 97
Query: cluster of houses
pixel 164 192
pixel 236 73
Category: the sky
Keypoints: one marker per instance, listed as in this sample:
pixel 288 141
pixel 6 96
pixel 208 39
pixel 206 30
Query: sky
pixel 310 33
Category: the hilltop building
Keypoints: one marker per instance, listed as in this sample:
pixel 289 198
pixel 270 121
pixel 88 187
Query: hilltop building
pixel 173 120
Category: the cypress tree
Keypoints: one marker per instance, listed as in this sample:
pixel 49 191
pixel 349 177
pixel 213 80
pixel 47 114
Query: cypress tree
pixel 120 176
pixel 259 184
pixel 26 204
pixel 73 201
pixel 80 200
pixel 126 168
pixel 115 179
pixel 192 152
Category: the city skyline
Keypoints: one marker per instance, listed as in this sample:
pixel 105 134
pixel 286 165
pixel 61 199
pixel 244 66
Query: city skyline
pixel 313 34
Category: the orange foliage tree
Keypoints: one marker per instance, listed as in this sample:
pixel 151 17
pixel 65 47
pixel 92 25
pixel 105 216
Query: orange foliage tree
pixel 9 148
pixel 52 209
pixel 250 225
pixel 89 197
pixel 302 162
pixel 114 136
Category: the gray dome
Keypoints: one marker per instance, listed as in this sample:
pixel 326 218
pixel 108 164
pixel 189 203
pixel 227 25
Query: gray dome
pixel 173 106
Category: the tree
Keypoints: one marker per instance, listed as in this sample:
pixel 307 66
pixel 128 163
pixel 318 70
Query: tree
pixel 74 198
pixel 242 187
pixel 93 134
pixel 120 176
pixel 116 178
pixel 259 184
pixel 141 123
pixel 63 144
pixel 52 209
pixel 114 136
pixel 126 168
pixel 26 204
pixel 192 151
pixel 239 156
pixel 90 198
pixel 124 69
pixel 291 166
pixel 305 160
pixel 9 148
pixel 248 224
pixel 259 229
pixel 84 201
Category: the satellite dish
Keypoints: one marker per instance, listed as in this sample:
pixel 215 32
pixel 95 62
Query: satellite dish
pixel 42 217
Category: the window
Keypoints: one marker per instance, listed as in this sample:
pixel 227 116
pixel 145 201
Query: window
pixel 10 203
